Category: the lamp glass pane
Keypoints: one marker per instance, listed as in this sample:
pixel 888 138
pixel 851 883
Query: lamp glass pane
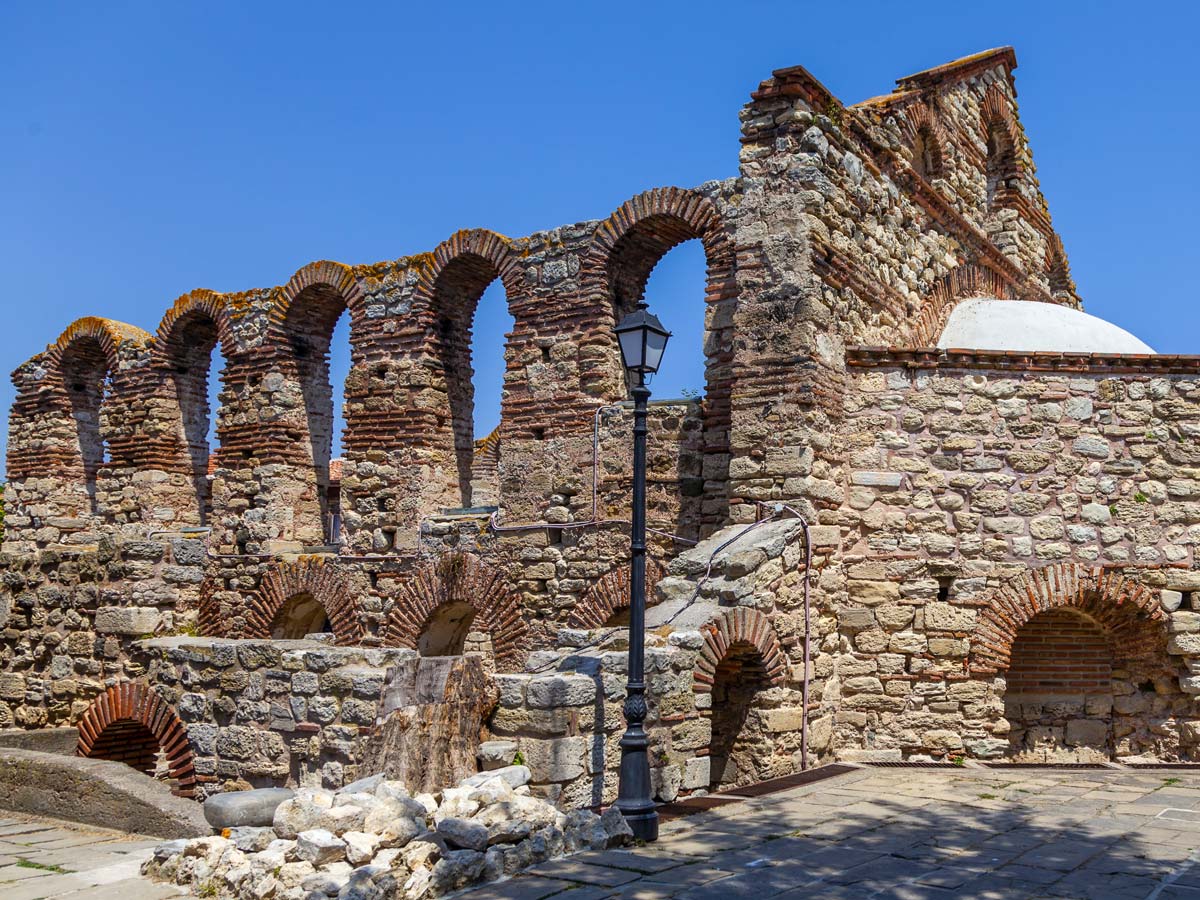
pixel 631 347
pixel 656 343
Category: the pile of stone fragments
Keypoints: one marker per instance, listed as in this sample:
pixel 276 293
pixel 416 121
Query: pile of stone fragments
pixel 371 840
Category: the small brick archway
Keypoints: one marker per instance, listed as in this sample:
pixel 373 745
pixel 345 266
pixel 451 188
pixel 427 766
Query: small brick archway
pixel 1128 611
pixel 130 723
pixel 610 595
pixel 305 577
pixel 740 658
pixel 736 629
pixel 459 579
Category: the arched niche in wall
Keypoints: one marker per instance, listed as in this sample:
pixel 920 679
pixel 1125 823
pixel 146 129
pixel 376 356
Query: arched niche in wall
pixel 130 723
pixel 467 292
pixel 319 307
pixel 1001 140
pixel 625 250
pixel 84 359
pixel 308 593
pixel 190 336
pixel 446 600
pixel 926 142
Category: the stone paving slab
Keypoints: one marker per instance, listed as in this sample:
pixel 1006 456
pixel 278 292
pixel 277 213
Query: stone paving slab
pixel 43 860
pixel 912 835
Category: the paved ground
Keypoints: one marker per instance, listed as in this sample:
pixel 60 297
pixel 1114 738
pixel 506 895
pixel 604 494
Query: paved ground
pixel 909 834
pixel 51 860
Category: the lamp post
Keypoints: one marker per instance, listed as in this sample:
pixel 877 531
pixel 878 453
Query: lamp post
pixel 643 340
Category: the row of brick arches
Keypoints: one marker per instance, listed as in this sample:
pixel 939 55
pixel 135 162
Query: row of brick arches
pixel 455 603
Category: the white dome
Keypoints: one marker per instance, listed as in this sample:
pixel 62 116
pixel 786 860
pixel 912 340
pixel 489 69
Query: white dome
pixel 984 323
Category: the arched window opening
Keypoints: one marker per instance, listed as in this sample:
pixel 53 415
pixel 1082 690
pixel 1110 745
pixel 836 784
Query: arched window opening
pixel 318 328
pixel 1000 167
pixel 1058 696
pixel 473 326
pixel 926 157
pixel 190 358
pixel 132 743
pixel 300 616
pixel 674 289
pixel 447 630
pixel 734 759
pixel 85 374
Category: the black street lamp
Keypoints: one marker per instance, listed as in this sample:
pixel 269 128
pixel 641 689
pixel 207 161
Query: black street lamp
pixel 643 340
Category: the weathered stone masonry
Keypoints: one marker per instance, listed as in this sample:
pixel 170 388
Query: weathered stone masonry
pixel 1001 543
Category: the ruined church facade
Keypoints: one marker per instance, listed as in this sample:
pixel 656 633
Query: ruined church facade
pixel 871 539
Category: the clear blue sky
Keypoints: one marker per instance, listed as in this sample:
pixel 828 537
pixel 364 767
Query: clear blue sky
pixel 151 148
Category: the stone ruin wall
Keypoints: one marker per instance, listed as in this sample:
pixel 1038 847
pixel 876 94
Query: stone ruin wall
pixel 943 492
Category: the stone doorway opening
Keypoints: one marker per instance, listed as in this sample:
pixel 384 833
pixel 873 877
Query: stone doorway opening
pixel 1058 698
pixel 301 615
pixel 734 756
pixel 447 630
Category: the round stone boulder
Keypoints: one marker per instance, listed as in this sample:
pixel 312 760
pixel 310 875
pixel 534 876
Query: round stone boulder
pixel 238 808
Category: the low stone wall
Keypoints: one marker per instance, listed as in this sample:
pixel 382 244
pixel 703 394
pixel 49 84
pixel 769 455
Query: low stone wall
pixel 267 713
pixel 95 792
pixel 70 616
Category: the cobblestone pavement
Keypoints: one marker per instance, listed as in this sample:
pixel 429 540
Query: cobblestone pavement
pixel 909 834
pixel 41 859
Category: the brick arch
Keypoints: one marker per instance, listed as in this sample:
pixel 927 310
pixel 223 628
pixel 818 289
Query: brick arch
pixel 919 121
pixel 110 334
pixel 997 120
pixel 624 250
pixel 484 253
pixel 198 304
pixel 460 578
pixel 739 627
pixel 311 575
pixel 1128 611
pixel 459 270
pixel 130 723
pixel 610 594
pixel 962 283
pixel 323 276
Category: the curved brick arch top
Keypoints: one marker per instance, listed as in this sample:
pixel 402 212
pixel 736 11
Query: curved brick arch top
pixel 313 576
pixel 628 245
pixel 460 578
pixel 108 335
pixel 201 308
pixel 1129 612
pixel 467 262
pixel 919 121
pixel 131 723
pixel 325 279
pixel 611 594
pixel 738 628
pixel 967 281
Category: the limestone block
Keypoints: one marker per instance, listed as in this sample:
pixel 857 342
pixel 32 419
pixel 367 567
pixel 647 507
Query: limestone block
pixel 872 593
pixel 555 760
pixel 1170 600
pixel 319 846
pixel 948 617
pixel 1183 621
pixel 1185 644
pixel 496 754
pixel 697 772
pixel 907 642
pixel 791 718
pixel 463 833
pixel 561 690
pixel 942 739
pixel 1087 733
pixel 127 620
